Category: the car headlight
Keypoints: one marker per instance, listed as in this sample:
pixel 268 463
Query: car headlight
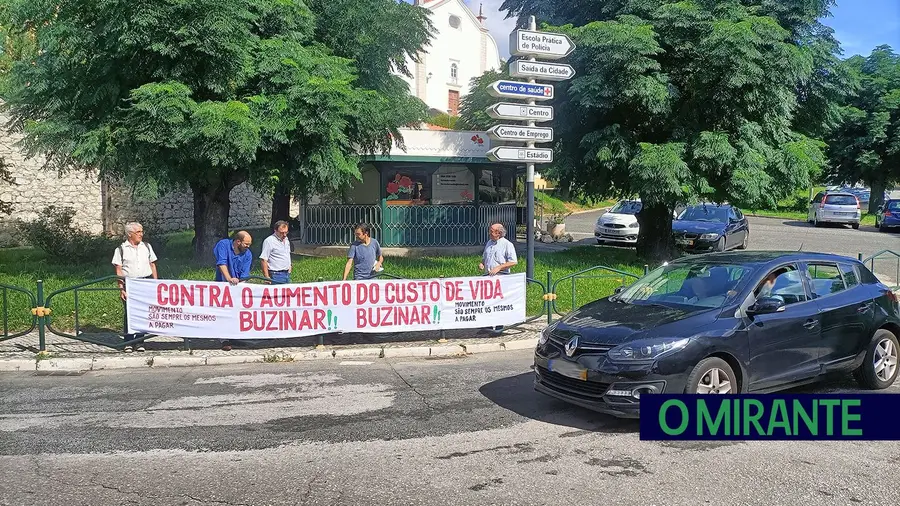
pixel 647 349
pixel 633 225
pixel 545 334
pixel 710 236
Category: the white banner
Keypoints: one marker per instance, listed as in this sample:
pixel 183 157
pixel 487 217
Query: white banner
pixel 206 309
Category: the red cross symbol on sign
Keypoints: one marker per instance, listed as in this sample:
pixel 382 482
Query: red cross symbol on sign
pixel 547 91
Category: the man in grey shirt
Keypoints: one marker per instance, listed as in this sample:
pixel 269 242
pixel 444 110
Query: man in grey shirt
pixel 275 258
pixel 363 254
pixel 499 254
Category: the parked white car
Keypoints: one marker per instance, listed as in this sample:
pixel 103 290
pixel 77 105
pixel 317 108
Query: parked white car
pixel 619 225
pixel 835 207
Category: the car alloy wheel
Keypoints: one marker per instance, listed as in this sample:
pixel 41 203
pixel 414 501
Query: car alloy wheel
pixel 885 360
pixel 712 376
pixel 746 240
pixel 880 368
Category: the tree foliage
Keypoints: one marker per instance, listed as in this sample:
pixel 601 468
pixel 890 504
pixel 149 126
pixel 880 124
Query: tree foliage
pixel 694 99
pixel 865 146
pixel 207 93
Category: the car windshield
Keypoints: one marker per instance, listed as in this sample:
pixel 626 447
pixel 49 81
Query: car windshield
pixel 704 285
pixel 626 207
pixel 705 213
pixel 840 200
pixel 894 205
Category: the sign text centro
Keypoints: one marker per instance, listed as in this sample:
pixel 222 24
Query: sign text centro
pixel 521 112
pixel 521 133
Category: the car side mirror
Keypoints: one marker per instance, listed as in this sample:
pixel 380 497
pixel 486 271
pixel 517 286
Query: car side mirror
pixel 766 305
pixel 618 290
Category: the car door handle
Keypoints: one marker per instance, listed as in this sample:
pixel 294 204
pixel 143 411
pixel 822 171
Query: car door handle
pixel 811 324
pixel 865 307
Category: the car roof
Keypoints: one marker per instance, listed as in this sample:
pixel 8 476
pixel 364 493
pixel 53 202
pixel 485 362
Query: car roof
pixel 763 258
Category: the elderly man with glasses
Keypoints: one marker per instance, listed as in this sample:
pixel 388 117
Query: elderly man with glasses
pixel 134 259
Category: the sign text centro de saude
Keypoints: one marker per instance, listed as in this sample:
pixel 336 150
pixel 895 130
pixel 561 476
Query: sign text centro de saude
pixel 551 46
pixel 514 154
pixel 541 70
pixel 520 133
pixel 520 112
pixel 514 89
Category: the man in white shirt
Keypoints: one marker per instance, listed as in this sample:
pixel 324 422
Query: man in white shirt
pixel 498 257
pixel 134 259
pixel 276 254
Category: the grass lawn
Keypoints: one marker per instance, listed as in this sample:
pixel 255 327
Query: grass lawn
pixel 102 309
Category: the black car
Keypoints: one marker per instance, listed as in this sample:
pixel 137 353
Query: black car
pixel 711 227
pixel 722 323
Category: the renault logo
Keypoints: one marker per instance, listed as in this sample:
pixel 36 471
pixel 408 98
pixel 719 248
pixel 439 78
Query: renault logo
pixel 572 346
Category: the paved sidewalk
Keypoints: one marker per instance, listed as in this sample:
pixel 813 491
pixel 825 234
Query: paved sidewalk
pixel 62 354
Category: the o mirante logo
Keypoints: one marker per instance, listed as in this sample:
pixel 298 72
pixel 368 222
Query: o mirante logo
pixel 769 417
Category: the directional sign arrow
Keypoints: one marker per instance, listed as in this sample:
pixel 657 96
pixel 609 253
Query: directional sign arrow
pixel 520 133
pixel 551 46
pixel 541 70
pixel 515 89
pixel 520 112
pixel 513 154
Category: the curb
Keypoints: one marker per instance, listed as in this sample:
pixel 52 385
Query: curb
pixel 83 364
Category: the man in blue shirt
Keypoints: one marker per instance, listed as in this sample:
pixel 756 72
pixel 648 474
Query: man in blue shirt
pixel 233 258
pixel 364 256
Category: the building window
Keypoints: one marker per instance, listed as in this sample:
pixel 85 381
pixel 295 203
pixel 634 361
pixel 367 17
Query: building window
pixel 455 22
pixel 453 102
pixel 454 73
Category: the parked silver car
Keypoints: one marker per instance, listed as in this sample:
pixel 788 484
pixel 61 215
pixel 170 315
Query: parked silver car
pixel 834 207
pixel 619 225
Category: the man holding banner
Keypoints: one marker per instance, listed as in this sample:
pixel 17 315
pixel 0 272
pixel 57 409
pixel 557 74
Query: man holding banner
pixel 361 257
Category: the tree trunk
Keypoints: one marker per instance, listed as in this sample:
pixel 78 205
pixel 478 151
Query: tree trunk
pixel 655 244
pixel 211 207
pixel 281 203
pixel 876 196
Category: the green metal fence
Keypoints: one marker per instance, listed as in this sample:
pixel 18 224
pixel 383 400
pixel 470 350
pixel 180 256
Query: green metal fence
pixel 886 255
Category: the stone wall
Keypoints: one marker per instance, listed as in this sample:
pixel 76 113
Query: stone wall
pixel 103 207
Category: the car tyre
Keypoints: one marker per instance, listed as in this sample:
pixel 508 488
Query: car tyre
pixel 856 226
pixel 746 241
pixel 712 376
pixel 883 351
pixel 720 246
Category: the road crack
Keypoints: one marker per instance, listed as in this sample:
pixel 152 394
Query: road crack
pixel 420 394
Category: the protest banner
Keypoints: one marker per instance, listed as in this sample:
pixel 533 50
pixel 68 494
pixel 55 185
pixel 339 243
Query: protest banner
pixel 206 309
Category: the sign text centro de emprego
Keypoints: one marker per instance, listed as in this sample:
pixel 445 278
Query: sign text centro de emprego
pixel 520 133
pixel 514 89
pixel 541 70
pixel 547 45
pixel 520 112
pixel 526 155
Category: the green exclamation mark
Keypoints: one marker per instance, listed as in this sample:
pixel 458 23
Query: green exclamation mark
pixel 329 319
pixel 335 322
pixel 437 315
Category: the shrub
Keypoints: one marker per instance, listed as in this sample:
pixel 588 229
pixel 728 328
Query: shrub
pixel 56 235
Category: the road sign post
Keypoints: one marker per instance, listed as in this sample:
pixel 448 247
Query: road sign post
pixel 529 43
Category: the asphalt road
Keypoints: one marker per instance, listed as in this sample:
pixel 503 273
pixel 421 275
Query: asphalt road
pixel 444 432
pixel 789 235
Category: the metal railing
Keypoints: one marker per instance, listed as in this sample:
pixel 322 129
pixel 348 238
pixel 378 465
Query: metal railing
pixel 884 255
pixel 598 272
pixel 428 225
pixel 5 301
pixel 333 224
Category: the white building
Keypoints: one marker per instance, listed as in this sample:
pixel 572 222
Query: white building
pixel 461 49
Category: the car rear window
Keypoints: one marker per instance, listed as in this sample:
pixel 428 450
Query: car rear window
pixel 840 200
pixel 894 205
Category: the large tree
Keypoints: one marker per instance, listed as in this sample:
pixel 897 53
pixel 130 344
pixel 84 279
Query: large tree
pixel 866 144
pixel 681 100
pixel 380 37
pixel 207 93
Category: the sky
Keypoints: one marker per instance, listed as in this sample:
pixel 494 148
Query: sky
pixel 860 25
